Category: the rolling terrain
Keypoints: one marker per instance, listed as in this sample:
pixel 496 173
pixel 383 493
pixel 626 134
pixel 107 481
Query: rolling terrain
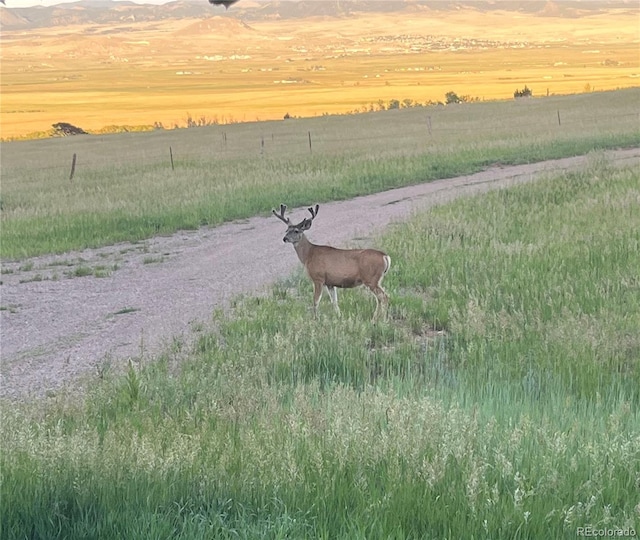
pixel 102 66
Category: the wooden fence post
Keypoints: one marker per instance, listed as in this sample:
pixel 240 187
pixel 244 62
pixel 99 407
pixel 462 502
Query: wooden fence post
pixel 73 167
pixel 171 156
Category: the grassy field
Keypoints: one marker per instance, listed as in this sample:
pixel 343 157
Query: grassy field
pixel 499 400
pixel 124 187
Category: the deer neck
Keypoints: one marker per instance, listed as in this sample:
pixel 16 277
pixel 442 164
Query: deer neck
pixel 303 248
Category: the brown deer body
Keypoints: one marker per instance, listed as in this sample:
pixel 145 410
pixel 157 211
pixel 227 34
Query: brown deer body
pixel 337 268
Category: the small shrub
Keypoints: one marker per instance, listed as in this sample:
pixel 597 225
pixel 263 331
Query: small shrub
pixel 452 97
pixel 525 92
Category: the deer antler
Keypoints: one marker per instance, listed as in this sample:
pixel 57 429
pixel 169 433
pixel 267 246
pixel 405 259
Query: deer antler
pixel 280 216
pixel 314 211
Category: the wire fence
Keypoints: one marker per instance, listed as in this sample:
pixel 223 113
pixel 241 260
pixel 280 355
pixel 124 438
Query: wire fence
pixel 180 148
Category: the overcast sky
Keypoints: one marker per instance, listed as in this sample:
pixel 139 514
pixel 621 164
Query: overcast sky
pixel 28 3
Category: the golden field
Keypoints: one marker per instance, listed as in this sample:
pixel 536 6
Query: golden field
pixel 222 70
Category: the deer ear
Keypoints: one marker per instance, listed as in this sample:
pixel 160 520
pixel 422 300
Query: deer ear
pixel 305 225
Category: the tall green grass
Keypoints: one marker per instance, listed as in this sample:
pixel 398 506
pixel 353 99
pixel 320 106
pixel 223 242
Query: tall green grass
pixel 498 400
pixel 125 189
pixel 539 284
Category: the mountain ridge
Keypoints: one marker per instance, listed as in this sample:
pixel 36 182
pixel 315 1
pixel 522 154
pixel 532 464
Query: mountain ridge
pixel 110 12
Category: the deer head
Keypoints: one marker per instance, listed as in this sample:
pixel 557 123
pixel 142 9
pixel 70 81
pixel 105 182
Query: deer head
pixel 295 232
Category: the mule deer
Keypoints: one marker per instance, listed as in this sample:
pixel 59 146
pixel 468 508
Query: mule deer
pixel 336 268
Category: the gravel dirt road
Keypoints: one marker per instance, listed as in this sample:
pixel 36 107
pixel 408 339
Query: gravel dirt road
pixel 57 326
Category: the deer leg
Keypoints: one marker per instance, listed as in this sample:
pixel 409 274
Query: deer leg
pixel 333 296
pixel 381 299
pixel 317 294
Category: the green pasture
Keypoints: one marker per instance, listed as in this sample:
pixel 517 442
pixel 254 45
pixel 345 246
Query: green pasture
pixel 124 186
pixel 498 400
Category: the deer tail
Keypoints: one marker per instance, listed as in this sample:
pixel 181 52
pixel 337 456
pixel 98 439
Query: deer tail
pixel 387 263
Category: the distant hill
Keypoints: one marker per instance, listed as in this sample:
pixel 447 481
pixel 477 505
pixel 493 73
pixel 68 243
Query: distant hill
pixel 109 12
pixel 221 27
